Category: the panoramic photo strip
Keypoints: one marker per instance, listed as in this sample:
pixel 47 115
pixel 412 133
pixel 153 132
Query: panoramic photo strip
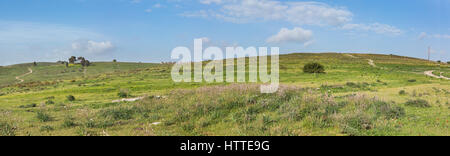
pixel 208 74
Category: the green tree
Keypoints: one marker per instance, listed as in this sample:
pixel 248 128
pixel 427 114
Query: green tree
pixel 72 59
pixel 314 68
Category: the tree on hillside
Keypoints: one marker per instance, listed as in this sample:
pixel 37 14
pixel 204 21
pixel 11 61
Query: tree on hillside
pixel 34 64
pixel 114 60
pixel 72 59
pixel 314 68
pixel 85 63
pixel 80 58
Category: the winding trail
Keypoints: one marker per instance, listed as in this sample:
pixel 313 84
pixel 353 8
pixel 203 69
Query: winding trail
pixel 19 77
pixel 128 100
pixel 430 73
pixel 371 62
pixel 84 72
pixel 350 55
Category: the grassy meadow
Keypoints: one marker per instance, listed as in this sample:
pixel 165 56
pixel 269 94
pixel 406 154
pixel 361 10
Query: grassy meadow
pixel 353 97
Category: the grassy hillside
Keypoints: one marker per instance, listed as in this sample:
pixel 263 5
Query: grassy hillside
pixel 392 96
pixel 55 71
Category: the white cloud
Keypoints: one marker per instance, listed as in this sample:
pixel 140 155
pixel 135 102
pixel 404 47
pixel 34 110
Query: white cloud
pixel 296 35
pixel 148 10
pixel 296 13
pixel 136 1
pixel 300 13
pixel 93 47
pixel 36 33
pixel 441 36
pixel 29 41
pixel 157 5
pixel 424 35
pixel 374 27
pixel 211 1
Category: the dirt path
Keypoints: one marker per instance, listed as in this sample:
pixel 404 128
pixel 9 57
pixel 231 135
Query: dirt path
pixel 19 77
pixel 371 63
pixel 430 73
pixel 84 72
pixel 350 55
pixel 128 100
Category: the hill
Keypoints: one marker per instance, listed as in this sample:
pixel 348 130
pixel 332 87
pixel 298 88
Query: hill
pixel 360 94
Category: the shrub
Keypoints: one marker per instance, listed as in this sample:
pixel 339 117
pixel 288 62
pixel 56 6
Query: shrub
pixel 351 84
pixel 98 124
pixel 68 122
pixel 412 80
pixel 118 113
pixel 50 98
pixel 357 85
pixel 314 68
pixel 49 102
pixel 71 98
pixel 402 92
pixel 385 109
pixel 90 124
pixel 448 62
pixel 47 128
pixel 395 113
pixel 418 103
pixel 28 106
pixel 44 117
pixel 123 93
pixel 7 130
pixel 356 124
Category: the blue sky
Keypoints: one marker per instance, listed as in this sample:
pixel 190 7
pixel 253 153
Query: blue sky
pixel 147 30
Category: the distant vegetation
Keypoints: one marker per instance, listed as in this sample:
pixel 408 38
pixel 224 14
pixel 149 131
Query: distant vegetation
pixel 71 98
pixel 418 103
pixel 82 61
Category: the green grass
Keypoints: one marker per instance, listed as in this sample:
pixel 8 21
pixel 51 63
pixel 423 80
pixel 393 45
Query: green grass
pixel 351 98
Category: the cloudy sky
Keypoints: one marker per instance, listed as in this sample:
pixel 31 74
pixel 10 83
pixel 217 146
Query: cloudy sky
pixel 147 30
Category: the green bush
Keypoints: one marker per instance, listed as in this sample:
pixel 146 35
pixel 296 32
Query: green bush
pixel 402 92
pixel 412 80
pixel 356 124
pixel 118 113
pixel 7 130
pixel 28 106
pixel 47 128
pixel 49 102
pixel 44 117
pixel 123 93
pixel 387 110
pixel 352 84
pixel 418 103
pixel 68 122
pixel 395 113
pixel 70 98
pixel 314 68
